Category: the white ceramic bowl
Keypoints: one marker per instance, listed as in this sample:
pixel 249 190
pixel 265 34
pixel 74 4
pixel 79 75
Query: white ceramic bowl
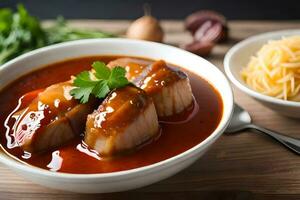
pixel 238 57
pixel 130 179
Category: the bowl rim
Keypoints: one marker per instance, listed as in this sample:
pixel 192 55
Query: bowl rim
pixel 225 119
pixel 233 51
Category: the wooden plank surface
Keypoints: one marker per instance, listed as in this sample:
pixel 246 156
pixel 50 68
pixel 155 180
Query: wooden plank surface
pixel 242 166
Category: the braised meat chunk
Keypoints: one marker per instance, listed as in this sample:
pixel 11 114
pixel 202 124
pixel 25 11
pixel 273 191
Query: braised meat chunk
pixel 51 119
pixel 125 120
pixel 170 88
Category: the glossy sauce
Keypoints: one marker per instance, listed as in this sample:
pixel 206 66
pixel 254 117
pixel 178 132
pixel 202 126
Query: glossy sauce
pixel 76 157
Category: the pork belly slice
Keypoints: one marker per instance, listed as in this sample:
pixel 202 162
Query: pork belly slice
pixel 125 120
pixel 51 119
pixel 170 88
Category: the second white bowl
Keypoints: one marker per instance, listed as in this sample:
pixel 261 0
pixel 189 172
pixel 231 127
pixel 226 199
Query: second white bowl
pixel 238 57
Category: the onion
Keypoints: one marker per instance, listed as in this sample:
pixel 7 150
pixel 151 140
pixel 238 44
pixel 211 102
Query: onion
pixel 146 28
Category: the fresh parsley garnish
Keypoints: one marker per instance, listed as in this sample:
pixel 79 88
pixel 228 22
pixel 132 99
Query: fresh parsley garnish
pixel 21 32
pixel 98 82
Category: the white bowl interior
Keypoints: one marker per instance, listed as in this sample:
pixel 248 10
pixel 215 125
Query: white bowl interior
pixel 37 59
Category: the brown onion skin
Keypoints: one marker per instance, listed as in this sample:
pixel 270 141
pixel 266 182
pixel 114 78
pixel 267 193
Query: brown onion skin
pixel 146 28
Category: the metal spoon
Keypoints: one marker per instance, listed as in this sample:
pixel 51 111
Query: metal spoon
pixel 241 120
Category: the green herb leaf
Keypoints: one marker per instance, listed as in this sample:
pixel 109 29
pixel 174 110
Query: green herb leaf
pixel 102 71
pixel 82 93
pixel 104 80
pixel 83 80
pixel 101 89
pixel 117 78
pixel 19 33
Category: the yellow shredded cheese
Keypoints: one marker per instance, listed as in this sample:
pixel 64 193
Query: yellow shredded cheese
pixel 275 69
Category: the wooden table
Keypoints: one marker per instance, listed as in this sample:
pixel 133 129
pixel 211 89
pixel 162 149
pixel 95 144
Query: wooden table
pixel 242 166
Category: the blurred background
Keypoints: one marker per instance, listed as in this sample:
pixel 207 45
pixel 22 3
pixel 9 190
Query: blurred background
pixel 175 9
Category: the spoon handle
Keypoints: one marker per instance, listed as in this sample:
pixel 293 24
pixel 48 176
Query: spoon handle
pixel 291 143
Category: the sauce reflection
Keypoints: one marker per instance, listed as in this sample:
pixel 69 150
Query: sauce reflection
pixel 56 162
pixel 82 147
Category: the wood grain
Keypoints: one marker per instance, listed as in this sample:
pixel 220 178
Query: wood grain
pixel 242 166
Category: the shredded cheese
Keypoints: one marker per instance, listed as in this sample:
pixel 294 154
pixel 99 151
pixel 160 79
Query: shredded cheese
pixel 275 70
